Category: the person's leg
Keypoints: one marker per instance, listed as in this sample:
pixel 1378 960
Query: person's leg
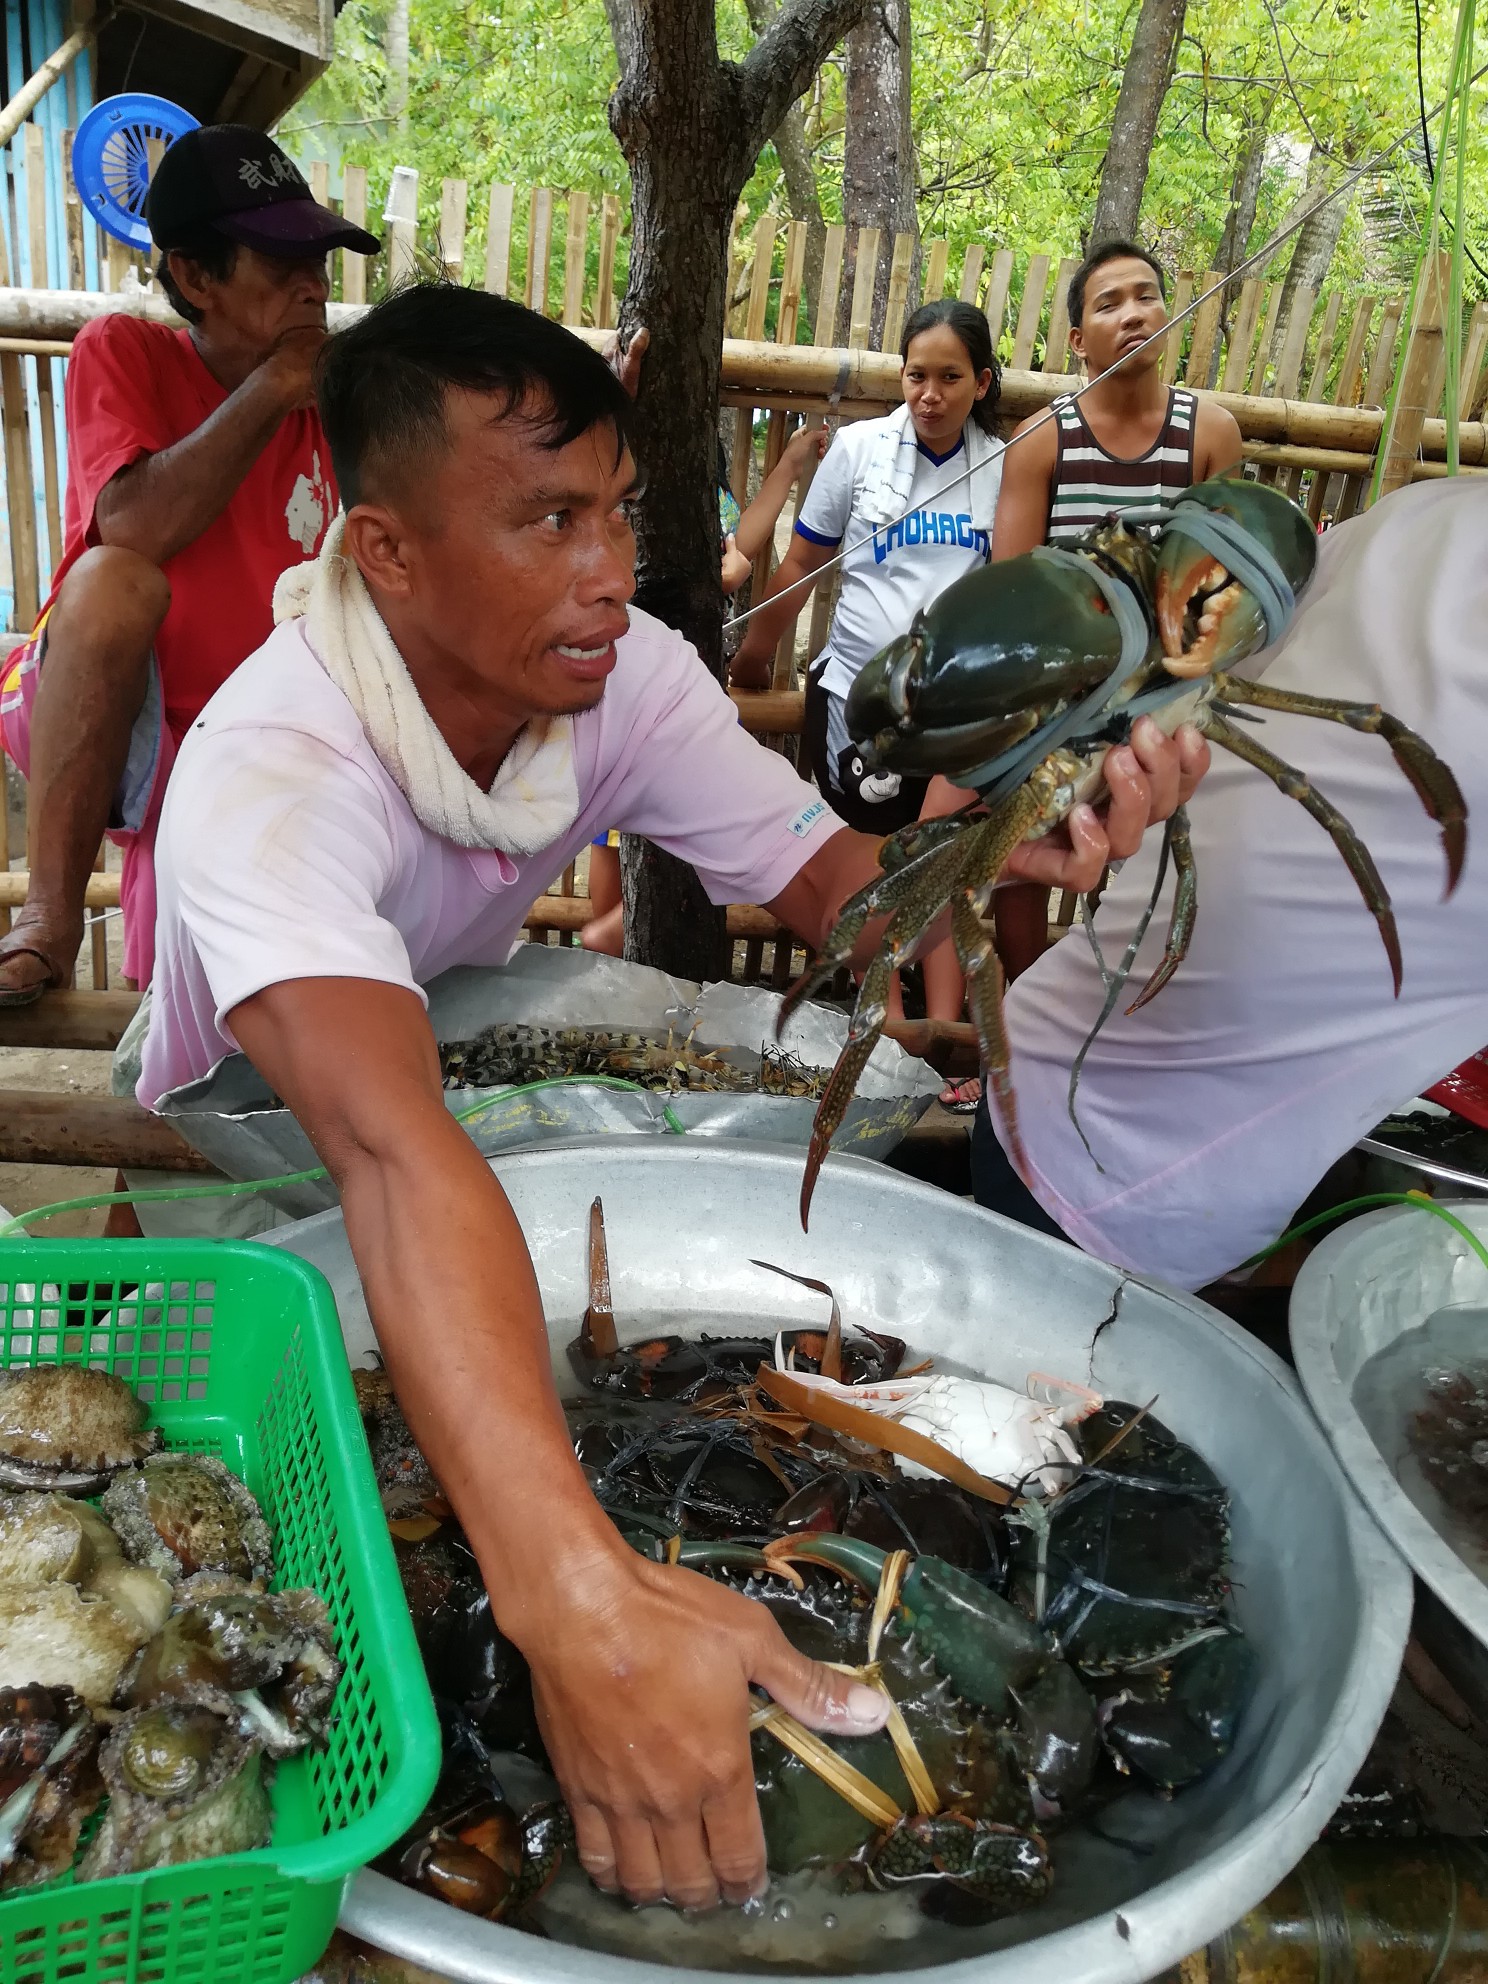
pixel 997 1186
pixel 605 930
pixel 91 688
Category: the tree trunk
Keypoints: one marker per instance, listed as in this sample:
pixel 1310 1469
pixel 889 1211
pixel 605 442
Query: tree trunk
pixel 395 47
pixel 1314 243
pixel 798 169
pixel 1245 194
pixel 1144 84
pixel 879 176
pixel 691 128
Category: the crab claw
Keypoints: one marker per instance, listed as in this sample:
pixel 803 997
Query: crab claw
pixel 1206 618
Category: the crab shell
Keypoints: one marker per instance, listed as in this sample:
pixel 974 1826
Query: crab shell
pixel 183 1513
pixel 1011 645
pixel 67 1427
pixel 183 1784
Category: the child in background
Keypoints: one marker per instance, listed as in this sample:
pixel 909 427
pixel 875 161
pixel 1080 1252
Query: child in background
pixel 743 538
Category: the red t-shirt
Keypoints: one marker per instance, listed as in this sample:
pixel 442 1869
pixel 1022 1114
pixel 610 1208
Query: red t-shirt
pixel 134 389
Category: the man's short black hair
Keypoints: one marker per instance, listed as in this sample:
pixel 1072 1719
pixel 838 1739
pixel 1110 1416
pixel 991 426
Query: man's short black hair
pixel 212 253
pixel 1109 251
pixel 382 383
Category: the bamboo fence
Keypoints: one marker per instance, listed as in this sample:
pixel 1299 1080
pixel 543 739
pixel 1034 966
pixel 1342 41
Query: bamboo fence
pixel 1308 395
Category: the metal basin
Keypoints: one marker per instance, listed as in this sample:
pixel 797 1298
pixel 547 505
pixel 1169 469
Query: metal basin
pixel 1323 1597
pixel 1359 1292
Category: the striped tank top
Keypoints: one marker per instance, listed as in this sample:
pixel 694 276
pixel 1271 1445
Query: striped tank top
pixel 1089 484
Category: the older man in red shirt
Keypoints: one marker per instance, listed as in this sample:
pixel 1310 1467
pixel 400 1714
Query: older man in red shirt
pixel 197 472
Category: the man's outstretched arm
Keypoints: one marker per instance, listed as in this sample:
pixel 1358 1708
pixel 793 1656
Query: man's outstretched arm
pixel 641 1672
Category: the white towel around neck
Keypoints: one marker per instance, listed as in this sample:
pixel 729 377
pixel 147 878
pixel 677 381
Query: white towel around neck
pixel 890 472
pixel 534 797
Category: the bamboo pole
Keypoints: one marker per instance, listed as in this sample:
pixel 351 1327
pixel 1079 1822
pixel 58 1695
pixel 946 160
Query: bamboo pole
pixel 1267 338
pixel 77 266
pixel 1470 386
pixel 786 323
pixel 499 238
pixel 1322 359
pixel 806 375
pixel 1418 385
pixel 37 1127
pixel 833 251
pixel 999 283
pixel 1030 311
pixel 402 241
pixel 898 293
pixel 454 195
pixel 575 257
pixel 1058 338
pixel 20 495
pixel 1205 332
pixel 1242 336
pixel 754 326
pixel 609 239
pixel 539 247
pixel 1173 349
pixel 46 404
pixel 354 209
pixel 36 85
pixel 971 276
pixel 865 274
pixel 933 287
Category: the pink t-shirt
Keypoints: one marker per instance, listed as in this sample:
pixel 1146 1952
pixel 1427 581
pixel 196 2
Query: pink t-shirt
pixel 286 851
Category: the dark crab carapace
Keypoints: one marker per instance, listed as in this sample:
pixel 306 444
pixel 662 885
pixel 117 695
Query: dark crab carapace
pixel 1064 651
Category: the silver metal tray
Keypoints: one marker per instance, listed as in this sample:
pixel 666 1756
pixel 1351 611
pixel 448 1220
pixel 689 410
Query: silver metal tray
pixel 1358 1291
pixel 1324 1598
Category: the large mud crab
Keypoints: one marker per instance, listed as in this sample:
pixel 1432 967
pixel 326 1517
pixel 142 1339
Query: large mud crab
pixel 1017 681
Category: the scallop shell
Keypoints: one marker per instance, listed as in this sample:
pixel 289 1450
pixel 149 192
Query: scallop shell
pixel 68 1427
pixel 184 1513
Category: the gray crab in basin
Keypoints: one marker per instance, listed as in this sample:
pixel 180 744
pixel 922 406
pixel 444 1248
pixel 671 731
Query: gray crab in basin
pixel 183 1784
pixel 68 1427
pixel 184 1513
pixel 267 1660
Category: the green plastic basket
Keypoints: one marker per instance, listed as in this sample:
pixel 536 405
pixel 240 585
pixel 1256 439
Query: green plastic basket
pixel 238 1352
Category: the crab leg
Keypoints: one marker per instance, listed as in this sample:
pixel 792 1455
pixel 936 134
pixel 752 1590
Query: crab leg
pixel 1185 908
pixel 1359 861
pixel 1435 786
pixel 892 890
pixel 982 969
pixel 863 1032
pixel 994 842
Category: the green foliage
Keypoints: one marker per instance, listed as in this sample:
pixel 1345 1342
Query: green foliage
pixel 1012 104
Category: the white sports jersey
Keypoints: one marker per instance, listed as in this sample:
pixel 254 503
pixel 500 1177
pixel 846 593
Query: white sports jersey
pixel 901 567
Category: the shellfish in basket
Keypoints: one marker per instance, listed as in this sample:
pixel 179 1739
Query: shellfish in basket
pixel 1016 682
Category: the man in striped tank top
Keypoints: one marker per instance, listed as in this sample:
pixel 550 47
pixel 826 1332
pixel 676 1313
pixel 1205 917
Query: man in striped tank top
pixel 1130 439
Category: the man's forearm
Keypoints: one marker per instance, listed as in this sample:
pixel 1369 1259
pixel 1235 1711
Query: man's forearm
pixel 160 504
pixel 450 1287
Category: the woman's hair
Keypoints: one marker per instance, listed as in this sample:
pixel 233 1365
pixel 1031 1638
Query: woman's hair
pixel 972 328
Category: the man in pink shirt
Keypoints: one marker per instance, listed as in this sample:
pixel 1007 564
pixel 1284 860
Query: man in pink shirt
pixel 457 698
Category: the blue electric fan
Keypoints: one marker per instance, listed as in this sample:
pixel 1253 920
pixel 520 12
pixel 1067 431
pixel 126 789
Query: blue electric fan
pixel 111 159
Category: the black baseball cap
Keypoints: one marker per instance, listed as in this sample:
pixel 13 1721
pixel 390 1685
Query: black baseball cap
pixel 236 180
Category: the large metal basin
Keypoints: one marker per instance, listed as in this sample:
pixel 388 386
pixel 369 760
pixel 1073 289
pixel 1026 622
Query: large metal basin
pixel 1359 1291
pixel 1323 1597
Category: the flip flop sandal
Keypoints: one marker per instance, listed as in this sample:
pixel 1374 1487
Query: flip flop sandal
pixel 962 1104
pixel 28 995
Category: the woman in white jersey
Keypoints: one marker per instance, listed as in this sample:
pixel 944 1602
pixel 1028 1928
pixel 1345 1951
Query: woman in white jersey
pixel 897 494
